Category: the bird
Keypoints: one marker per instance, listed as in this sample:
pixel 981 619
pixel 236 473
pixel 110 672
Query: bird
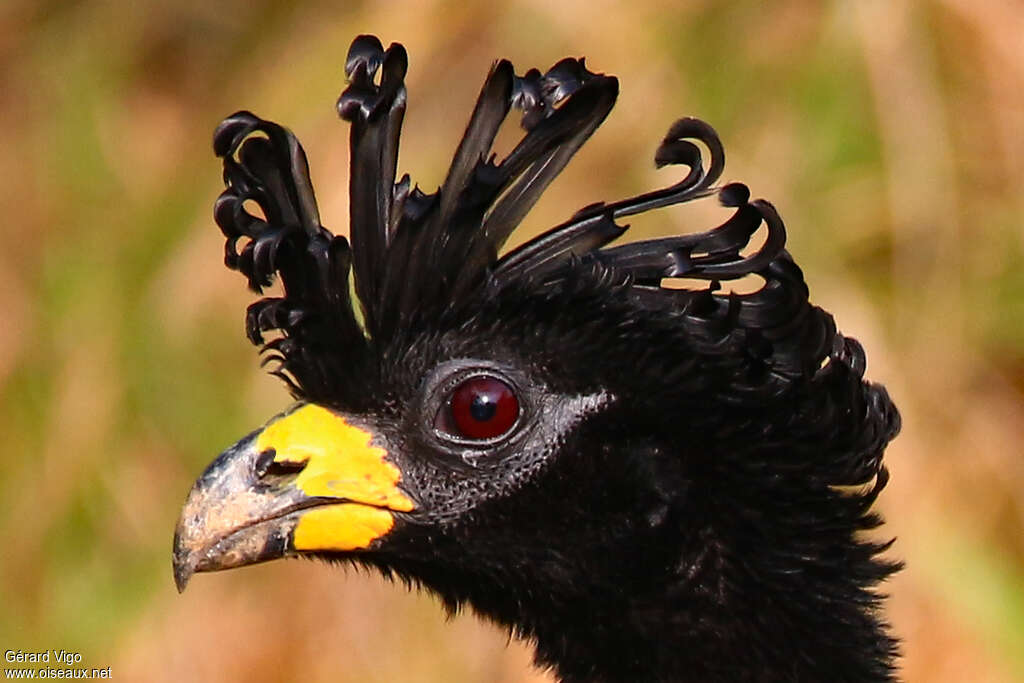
pixel 604 446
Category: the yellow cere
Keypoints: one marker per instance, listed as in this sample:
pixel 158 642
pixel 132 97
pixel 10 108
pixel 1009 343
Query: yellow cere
pixel 341 527
pixel 340 461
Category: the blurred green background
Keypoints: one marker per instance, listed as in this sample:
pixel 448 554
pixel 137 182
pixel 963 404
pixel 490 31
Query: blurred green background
pixel 889 134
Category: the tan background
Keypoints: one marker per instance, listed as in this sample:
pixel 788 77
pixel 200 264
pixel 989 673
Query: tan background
pixel 889 134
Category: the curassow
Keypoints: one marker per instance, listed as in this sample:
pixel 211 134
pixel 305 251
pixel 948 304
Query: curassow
pixel 649 483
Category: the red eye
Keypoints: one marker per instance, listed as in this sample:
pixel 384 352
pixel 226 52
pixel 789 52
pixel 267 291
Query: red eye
pixel 481 408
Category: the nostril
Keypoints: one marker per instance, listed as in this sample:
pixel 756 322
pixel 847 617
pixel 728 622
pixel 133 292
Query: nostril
pixel 266 467
pixel 285 468
pixel 263 462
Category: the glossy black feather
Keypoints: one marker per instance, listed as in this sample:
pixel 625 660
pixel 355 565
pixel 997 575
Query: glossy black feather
pixel 416 254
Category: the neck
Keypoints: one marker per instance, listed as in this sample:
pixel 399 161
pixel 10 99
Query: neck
pixel 741 601
pixel 720 612
pixel 701 626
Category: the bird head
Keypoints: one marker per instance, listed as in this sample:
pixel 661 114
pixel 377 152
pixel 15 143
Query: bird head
pixel 547 433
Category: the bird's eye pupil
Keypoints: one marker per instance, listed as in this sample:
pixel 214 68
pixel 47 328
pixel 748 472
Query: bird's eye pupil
pixel 480 408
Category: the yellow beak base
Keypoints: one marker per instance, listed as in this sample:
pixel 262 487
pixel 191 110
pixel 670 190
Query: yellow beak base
pixel 309 481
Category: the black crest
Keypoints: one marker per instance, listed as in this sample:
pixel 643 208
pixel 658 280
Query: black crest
pixel 415 254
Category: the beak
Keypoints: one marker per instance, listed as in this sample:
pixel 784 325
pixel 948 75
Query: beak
pixel 309 481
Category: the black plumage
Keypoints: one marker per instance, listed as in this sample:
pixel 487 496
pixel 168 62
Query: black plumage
pixel 684 489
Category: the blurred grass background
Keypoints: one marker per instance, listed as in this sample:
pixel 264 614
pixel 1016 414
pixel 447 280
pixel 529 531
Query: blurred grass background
pixel 889 134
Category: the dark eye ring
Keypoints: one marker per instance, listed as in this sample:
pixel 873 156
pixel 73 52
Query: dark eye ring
pixel 479 408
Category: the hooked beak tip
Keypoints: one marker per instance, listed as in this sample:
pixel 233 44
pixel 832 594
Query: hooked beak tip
pixel 183 563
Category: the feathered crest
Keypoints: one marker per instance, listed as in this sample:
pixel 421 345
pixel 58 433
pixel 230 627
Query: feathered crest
pixel 414 254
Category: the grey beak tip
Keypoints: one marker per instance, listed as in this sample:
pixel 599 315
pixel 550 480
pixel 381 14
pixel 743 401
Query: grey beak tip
pixel 181 577
pixel 182 562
